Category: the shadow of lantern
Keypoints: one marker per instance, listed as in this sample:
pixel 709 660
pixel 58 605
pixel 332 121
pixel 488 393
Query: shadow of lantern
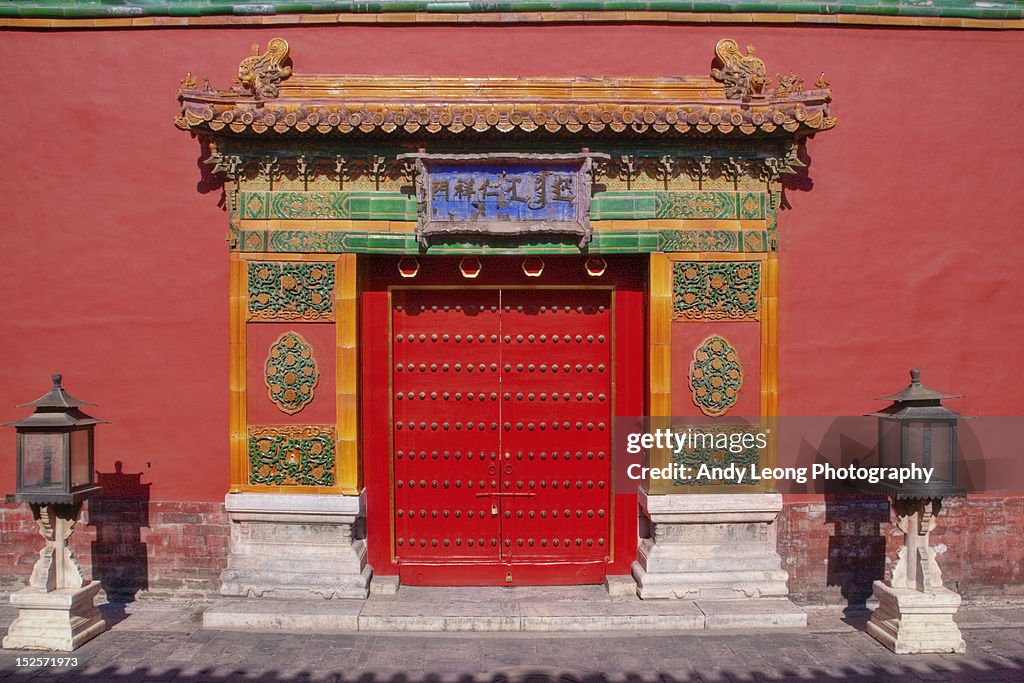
pixel 120 562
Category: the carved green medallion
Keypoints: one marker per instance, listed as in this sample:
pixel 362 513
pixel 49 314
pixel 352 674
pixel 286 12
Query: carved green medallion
pixel 291 373
pixel 715 376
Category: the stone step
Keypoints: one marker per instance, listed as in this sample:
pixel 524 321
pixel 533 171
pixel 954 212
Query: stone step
pixel 570 609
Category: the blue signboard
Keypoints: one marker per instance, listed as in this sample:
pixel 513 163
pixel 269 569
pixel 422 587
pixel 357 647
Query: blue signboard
pixel 530 192
pixel 503 195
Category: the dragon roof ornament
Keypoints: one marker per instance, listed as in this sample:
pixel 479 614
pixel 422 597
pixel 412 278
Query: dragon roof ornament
pixel 735 100
pixel 260 75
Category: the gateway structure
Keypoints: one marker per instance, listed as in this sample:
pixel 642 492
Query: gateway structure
pixel 443 292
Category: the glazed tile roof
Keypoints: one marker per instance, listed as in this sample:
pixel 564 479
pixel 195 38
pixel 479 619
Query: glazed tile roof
pixel 101 9
pixel 737 99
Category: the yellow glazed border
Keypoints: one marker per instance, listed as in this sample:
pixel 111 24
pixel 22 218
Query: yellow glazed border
pixel 346 369
pixel 660 347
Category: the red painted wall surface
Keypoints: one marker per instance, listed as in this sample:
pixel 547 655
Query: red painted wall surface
pixel 902 250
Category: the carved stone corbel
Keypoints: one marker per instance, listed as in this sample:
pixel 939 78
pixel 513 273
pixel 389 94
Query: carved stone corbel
pixel 342 170
pixel 733 170
pixel 377 168
pixel 666 168
pixel 270 168
pixel 303 169
pixel 629 170
pixel 699 169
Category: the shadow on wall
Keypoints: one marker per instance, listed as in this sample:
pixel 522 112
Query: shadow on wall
pixel 120 562
pixel 856 542
pixel 800 179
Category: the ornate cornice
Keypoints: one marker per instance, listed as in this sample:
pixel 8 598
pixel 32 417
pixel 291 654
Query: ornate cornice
pixel 736 99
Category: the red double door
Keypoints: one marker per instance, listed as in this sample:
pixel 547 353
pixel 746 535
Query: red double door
pixel 501 435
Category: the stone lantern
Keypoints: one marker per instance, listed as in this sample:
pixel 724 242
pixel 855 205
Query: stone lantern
pixel 55 474
pixel 915 611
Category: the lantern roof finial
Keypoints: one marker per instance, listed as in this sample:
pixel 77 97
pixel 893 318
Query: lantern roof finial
pixel 57 397
pixel 55 409
pixel 916 391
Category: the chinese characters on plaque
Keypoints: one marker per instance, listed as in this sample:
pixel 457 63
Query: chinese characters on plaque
pixel 460 194
pixel 525 196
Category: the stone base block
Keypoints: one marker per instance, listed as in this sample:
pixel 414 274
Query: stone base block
pixel 260 583
pixel 752 614
pixel 704 585
pixel 620 587
pixel 59 620
pixel 710 547
pixel 384 585
pixel 908 621
pixel 239 614
pixel 295 546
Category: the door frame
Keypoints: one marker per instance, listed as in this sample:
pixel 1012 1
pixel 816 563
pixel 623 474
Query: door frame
pixel 625 277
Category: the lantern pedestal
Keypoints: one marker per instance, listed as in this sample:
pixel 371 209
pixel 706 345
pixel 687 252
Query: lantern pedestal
pixel 57 610
pixel 915 612
pixel 908 621
pixel 61 620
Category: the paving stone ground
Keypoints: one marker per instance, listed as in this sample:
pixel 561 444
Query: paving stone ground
pixel 161 640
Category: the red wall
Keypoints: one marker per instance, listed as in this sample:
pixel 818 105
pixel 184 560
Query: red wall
pixel 114 266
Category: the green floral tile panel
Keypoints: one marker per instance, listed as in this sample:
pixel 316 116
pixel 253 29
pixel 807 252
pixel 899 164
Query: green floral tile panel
pixel 340 205
pixel 292 455
pixel 706 290
pixel 280 291
pixel 708 453
pixel 710 205
pixel 694 205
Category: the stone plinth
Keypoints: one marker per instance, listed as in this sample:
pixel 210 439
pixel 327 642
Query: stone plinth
pixel 710 546
pixel 908 621
pixel 915 612
pixel 295 546
pixel 60 619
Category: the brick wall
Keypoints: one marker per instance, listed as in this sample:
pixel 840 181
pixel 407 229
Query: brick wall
pixel 834 549
pixel 128 545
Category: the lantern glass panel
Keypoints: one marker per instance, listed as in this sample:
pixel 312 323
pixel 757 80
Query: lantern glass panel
pixel 80 457
pixel 42 461
pixel 930 444
pixel 935 443
pixel 889 443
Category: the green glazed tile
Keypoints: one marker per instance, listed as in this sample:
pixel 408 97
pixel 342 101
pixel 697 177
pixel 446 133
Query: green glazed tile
pixel 183 10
